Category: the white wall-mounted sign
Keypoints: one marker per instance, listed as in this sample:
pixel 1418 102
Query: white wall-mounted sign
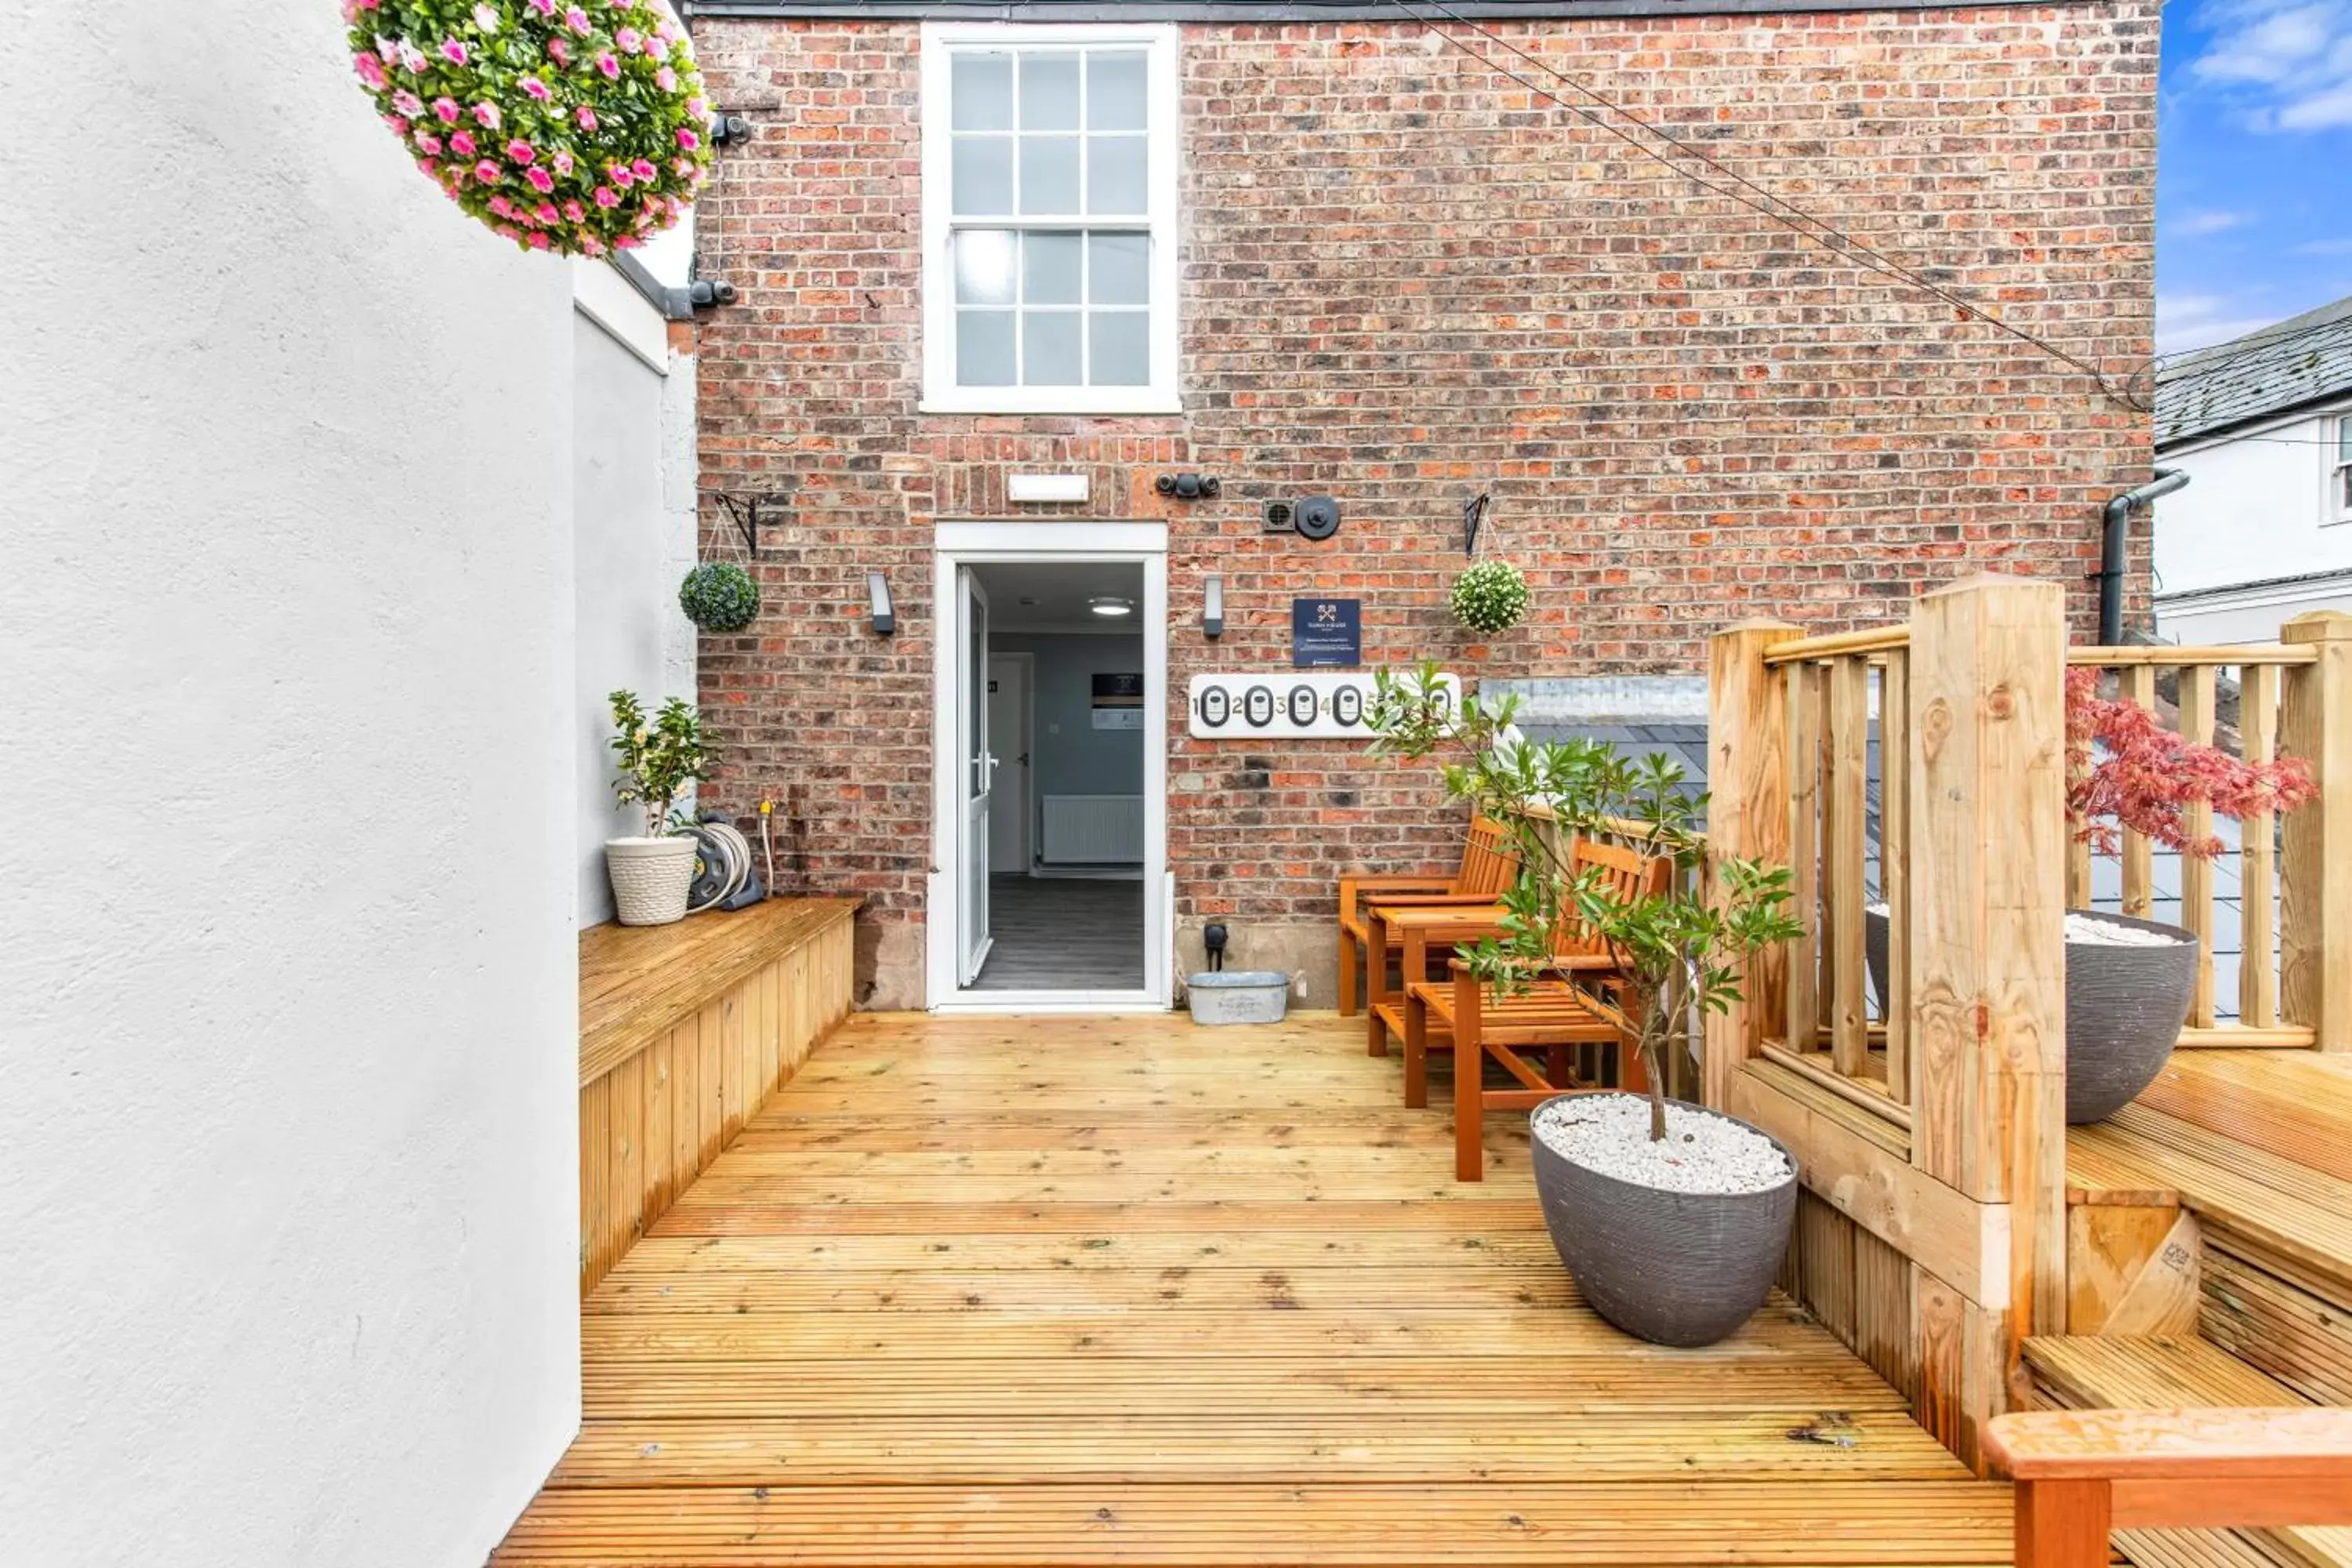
pixel 1333 704
pixel 1041 489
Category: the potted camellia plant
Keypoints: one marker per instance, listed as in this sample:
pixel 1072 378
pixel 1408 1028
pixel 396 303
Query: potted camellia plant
pixel 1672 1217
pixel 658 759
pixel 2130 982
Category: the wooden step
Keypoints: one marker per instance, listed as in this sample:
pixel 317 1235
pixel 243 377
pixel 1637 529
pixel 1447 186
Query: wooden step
pixel 2289 1217
pixel 2296 1105
pixel 2165 1373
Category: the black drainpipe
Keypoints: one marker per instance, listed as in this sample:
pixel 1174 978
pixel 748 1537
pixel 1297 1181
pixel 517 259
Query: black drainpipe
pixel 2112 551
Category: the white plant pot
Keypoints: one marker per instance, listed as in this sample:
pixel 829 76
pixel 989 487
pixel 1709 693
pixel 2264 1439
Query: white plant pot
pixel 650 878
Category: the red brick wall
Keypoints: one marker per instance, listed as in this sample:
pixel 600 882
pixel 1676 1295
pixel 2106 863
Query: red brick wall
pixel 1405 280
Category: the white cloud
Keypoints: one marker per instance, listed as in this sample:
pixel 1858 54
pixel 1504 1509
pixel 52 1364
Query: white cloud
pixel 2197 320
pixel 2282 65
pixel 2211 221
pixel 2325 248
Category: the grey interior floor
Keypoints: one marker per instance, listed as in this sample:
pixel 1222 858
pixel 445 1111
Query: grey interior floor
pixel 1064 934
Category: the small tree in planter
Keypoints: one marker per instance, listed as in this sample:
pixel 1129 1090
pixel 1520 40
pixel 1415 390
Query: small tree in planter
pixel 2130 982
pixel 651 875
pixel 1674 1221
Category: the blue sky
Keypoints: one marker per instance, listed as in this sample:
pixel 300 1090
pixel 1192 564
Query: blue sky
pixel 2253 198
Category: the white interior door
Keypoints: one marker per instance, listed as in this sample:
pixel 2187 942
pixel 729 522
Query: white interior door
pixel 978 770
pixel 1011 805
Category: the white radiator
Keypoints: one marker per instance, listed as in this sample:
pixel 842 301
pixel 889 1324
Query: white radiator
pixel 1092 830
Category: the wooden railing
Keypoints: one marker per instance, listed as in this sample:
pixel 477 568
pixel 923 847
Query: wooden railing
pixel 2291 893
pixel 1930 1139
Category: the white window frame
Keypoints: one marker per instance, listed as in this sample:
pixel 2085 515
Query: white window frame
pixel 2337 506
pixel 941 392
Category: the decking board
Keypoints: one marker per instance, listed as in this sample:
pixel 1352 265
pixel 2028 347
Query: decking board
pixel 1054 1291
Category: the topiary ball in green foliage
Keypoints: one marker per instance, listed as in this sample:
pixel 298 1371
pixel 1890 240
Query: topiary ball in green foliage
pixel 1490 597
pixel 719 597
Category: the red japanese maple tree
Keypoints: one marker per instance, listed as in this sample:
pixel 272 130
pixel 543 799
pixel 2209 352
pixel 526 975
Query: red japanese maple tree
pixel 2126 770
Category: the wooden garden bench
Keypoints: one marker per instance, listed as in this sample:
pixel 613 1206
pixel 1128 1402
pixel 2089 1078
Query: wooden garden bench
pixel 1490 862
pixel 2080 1473
pixel 1553 1014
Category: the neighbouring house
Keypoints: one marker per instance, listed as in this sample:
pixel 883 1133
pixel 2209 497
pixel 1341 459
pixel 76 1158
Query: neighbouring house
pixel 1002 282
pixel 2263 427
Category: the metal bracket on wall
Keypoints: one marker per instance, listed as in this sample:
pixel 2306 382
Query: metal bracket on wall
pixel 743 511
pixel 1473 512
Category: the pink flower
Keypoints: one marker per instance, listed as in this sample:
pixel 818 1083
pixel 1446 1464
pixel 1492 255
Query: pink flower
pixel 430 166
pixel 697 109
pixel 521 151
pixel 502 206
pixel 574 212
pixel 577 20
pixel 539 242
pixel 587 117
pixel 453 52
pixel 628 242
pixel 628 39
pixel 352 8
pixel 411 58
pixel 685 166
pixel 621 175
pixel 590 246
pixel 447 110
pixel 544 8
pixel 545 211
pixel 665 79
pixel 644 171
pixel 369 70
pixel 563 162
pixel 431 144
pixel 537 88
pixel 486 114
pixel 406 105
pixel 560 50
pixel 609 66
pixel 687 139
pixel 540 180
pixel 387 50
pixel 399 126
pixel 607 197
pixel 462 144
pixel 485 18
pixel 487 172
pixel 508 231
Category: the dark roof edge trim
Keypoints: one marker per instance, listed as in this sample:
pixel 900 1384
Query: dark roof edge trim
pixel 673 303
pixel 2302 408
pixel 1241 11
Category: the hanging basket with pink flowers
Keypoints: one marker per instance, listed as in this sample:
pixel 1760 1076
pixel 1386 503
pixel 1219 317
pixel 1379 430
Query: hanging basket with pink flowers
pixel 576 126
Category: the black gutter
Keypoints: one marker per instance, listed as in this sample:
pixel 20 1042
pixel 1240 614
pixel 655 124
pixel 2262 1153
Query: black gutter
pixel 2112 549
pixel 675 304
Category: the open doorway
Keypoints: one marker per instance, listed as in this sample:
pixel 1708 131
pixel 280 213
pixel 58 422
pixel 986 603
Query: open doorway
pixel 1050 888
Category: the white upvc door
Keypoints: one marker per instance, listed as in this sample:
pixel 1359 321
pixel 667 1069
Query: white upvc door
pixel 979 770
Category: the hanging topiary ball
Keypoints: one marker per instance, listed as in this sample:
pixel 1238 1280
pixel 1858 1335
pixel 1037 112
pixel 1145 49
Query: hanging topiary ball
pixel 719 597
pixel 576 126
pixel 1490 597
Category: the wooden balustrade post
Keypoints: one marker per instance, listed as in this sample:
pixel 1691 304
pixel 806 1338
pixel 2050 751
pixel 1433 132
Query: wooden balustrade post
pixel 2315 870
pixel 1987 912
pixel 1747 816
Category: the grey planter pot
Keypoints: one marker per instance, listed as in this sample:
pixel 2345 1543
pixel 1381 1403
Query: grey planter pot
pixel 2125 1006
pixel 1673 1269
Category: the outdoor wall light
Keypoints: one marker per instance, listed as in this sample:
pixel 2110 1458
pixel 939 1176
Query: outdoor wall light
pixel 877 604
pixel 1212 607
pixel 727 128
pixel 706 292
pixel 1186 487
pixel 1110 604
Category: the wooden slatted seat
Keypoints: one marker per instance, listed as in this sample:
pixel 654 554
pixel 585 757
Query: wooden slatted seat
pixel 1551 1013
pixel 1490 863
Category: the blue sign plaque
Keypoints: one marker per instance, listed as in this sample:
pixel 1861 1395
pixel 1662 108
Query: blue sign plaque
pixel 1327 634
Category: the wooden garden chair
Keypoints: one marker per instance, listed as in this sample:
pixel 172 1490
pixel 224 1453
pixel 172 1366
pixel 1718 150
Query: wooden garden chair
pixel 1550 1014
pixel 1490 862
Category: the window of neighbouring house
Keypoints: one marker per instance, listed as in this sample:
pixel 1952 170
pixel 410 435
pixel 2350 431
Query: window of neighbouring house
pixel 1049 207
pixel 2339 478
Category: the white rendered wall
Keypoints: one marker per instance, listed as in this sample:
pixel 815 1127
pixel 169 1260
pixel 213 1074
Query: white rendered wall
pixel 288 981
pixel 2254 510
pixel 633 508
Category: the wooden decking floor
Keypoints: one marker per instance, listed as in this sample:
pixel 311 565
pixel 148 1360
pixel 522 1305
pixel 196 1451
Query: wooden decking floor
pixel 1070 1291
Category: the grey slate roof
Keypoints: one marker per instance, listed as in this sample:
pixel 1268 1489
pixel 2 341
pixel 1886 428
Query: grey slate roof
pixel 2282 367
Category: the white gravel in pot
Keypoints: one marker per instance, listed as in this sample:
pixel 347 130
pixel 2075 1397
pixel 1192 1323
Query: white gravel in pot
pixel 2090 931
pixel 1609 1133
